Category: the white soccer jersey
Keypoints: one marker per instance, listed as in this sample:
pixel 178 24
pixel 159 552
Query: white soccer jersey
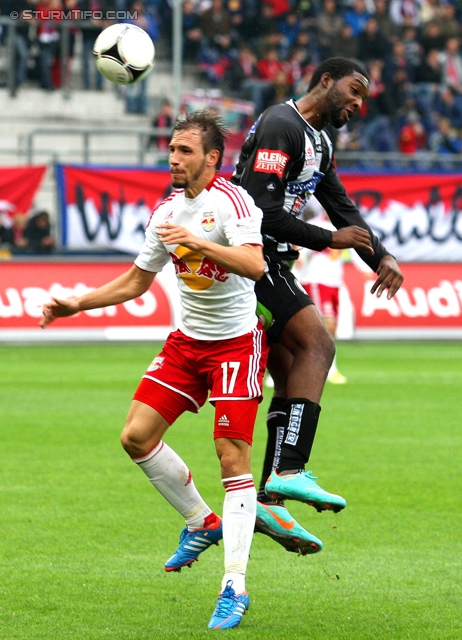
pixel 325 267
pixel 215 304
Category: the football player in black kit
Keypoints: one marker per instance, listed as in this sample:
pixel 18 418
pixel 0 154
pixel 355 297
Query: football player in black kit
pixel 287 157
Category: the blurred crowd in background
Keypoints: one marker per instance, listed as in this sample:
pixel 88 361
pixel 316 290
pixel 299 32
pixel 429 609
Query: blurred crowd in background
pixel 265 51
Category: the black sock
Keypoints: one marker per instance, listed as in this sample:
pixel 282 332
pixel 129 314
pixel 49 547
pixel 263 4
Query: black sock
pixel 275 421
pixel 301 422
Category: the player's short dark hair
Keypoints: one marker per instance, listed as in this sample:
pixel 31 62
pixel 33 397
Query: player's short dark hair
pixel 338 69
pixel 213 127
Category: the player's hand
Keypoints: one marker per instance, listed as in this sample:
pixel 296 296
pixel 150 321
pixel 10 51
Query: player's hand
pixel 352 238
pixel 176 234
pixel 390 277
pixel 58 309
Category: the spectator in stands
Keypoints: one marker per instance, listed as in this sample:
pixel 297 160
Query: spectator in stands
pixel 432 38
pixel 377 133
pixel 357 17
pixel 38 233
pixel 406 12
pixel 279 90
pixel 21 40
pixel 345 46
pixel 192 32
pixel 412 48
pixel 217 47
pixel 298 60
pixel 48 37
pixel 163 120
pixel 428 78
pixel 445 139
pixel 430 10
pixel 6 232
pixel 216 27
pixel 328 24
pixel 451 64
pixel 243 76
pixel 397 60
pixel 372 45
pixel 448 23
pixel 267 25
pixel 449 105
pixel 269 65
pixel 290 27
pixel 382 15
pixel 412 136
pixel 280 7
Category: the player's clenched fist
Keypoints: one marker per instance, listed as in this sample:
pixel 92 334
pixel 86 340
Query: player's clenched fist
pixel 58 309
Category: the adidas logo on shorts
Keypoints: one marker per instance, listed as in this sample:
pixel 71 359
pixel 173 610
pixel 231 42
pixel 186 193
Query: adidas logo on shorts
pixel 223 421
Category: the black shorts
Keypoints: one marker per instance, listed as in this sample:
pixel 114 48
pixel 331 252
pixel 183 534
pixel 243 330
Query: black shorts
pixel 280 296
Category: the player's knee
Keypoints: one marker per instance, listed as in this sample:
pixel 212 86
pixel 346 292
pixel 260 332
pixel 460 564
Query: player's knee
pixel 132 440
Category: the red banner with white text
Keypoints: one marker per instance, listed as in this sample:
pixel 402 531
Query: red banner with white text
pixel 18 186
pixel 418 217
pixel 429 303
pixel 25 287
pixel 108 208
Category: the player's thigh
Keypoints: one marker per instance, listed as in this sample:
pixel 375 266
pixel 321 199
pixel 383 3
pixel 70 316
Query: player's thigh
pixel 305 331
pixel 280 296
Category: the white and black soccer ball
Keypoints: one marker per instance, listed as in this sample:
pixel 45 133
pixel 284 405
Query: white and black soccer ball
pixel 124 53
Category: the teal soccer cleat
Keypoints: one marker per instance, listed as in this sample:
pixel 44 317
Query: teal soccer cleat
pixel 302 486
pixel 230 608
pixel 192 544
pixel 276 522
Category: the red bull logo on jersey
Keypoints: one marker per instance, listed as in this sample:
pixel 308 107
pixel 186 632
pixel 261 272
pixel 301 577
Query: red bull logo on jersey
pixel 196 270
pixel 269 161
pixel 208 222
pixel 157 363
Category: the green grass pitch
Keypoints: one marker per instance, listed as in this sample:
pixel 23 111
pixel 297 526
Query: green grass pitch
pixel 84 536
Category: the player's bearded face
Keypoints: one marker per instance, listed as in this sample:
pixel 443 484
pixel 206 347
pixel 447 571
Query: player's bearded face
pixel 189 175
pixel 335 107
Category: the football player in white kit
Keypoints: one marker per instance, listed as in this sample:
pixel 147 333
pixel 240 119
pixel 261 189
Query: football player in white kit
pixel 211 230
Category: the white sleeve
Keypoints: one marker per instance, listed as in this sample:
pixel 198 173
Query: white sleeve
pixel 241 218
pixel 153 255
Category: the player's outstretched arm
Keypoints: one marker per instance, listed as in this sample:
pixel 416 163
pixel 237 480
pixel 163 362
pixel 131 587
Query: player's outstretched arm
pixel 129 285
pixel 390 277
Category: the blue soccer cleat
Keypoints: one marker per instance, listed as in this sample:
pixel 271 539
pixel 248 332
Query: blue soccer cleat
pixel 302 486
pixel 230 608
pixel 192 544
pixel 276 522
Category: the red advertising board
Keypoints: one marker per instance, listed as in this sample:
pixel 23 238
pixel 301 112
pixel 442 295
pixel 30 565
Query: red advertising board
pixel 25 287
pixel 429 301
pixel 429 304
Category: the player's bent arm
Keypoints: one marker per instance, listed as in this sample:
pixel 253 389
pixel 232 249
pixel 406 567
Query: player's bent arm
pixel 244 260
pixel 129 285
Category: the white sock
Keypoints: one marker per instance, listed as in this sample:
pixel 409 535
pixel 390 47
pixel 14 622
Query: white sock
pixel 333 368
pixel 239 513
pixel 172 478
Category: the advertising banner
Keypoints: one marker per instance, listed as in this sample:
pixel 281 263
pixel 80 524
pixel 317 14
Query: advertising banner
pixel 18 186
pixel 428 305
pixel 418 217
pixel 108 208
pixel 25 287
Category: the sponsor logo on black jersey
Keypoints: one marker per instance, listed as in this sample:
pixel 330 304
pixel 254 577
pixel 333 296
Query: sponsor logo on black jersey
pixel 270 161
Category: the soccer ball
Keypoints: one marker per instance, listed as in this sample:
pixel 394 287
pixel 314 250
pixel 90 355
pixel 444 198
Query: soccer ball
pixel 124 53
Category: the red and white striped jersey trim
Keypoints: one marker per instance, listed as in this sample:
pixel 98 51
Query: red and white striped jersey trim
pixel 234 193
pixel 167 199
pixel 239 483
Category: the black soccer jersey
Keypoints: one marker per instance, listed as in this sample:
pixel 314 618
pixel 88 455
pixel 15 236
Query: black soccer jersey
pixel 284 161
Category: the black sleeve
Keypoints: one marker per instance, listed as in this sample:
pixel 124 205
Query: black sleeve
pixel 343 213
pixel 285 227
